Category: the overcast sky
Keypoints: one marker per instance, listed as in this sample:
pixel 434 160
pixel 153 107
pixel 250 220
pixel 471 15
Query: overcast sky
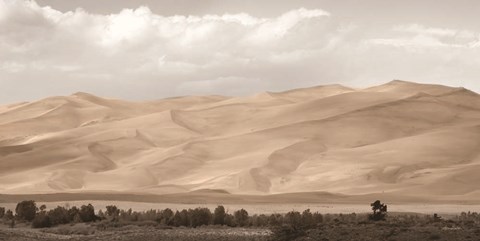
pixel 151 49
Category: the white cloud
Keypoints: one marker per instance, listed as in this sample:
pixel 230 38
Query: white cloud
pixel 142 55
pixel 416 35
pixel 161 51
pixel 12 67
pixel 420 29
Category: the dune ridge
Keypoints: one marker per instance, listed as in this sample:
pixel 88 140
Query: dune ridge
pixel 399 137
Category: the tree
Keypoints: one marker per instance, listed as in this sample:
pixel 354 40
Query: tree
pixel 43 207
pixel 58 215
pixel 294 219
pixel 8 215
pixel 101 214
pixel 241 217
pixel 275 219
pixel 2 212
pixel 26 210
pixel 200 216
pixel 307 219
pixel 259 220
pixel 73 213
pixel 166 217
pixel 181 218
pixel 229 220
pixel 112 212
pixel 219 215
pixel 87 213
pixel 379 211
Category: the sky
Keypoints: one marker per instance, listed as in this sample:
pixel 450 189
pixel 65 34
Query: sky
pixel 151 49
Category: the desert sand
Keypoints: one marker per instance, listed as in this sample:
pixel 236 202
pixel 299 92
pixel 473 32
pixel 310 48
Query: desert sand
pixel 402 141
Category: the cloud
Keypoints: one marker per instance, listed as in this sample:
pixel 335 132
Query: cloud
pixel 427 54
pixel 137 47
pixel 138 54
pixel 420 29
pixel 416 35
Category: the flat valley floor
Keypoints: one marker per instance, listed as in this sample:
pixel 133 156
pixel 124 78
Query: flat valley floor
pixel 339 231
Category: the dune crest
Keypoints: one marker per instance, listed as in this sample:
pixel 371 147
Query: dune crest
pixel 394 138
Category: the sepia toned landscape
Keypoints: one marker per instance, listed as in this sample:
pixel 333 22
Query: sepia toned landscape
pixel 269 153
pixel 215 120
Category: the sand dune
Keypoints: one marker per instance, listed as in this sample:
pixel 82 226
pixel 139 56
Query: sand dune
pixel 396 138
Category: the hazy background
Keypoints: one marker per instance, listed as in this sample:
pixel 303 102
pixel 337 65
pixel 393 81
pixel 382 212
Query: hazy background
pixel 153 49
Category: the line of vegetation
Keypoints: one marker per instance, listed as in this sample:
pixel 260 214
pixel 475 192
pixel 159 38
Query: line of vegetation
pixel 287 226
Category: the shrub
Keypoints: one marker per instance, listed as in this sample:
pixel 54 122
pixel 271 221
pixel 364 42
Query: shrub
pixel 435 237
pixel 275 219
pixel 294 219
pixel 41 221
pixel 317 218
pixel 8 215
pixel 77 229
pixel 286 232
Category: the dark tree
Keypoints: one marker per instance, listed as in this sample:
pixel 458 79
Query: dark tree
pixel 166 217
pixel 379 211
pixel 200 216
pixel 241 217
pixel 87 213
pixel 275 219
pixel 73 214
pixel 58 215
pixel 112 212
pixel 181 218
pixel 436 218
pixel 229 220
pixel 259 220
pixel 26 210
pixel 294 219
pixel 307 219
pixel 2 212
pixel 219 215
pixel 43 207
pixel 8 215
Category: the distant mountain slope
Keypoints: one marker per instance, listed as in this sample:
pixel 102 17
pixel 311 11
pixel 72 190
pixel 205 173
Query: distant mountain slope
pixel 395 138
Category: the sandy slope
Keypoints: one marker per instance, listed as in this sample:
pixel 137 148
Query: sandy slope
pixel 397 138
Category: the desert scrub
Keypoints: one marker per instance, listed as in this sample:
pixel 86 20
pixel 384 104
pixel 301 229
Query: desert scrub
pixel 75 229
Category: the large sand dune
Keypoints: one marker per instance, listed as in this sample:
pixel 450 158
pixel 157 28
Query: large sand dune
pixel 398 138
